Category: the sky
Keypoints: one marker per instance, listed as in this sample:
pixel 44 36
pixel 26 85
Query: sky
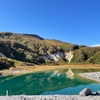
pixel 74 21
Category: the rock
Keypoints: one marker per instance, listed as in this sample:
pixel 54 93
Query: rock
pixel 45 58
pixel 98 93
pixel 85 92
pixel 52 57
pixel 69 56
pixel 58 55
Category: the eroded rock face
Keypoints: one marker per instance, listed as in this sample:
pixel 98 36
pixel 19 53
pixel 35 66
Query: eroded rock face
pixel 45 58
pixel 52 57
pixel 58 56
pixel 85 92
pixel 69 56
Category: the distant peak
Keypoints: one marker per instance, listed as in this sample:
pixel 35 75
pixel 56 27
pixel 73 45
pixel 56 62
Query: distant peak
pixel 34 35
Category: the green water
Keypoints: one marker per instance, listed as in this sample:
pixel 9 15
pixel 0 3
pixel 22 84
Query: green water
pixel 42 83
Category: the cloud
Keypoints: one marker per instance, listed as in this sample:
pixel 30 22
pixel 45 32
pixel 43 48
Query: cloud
pixel 96 45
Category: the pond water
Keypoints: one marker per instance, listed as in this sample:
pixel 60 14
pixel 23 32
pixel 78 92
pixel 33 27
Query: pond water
pixel 50 82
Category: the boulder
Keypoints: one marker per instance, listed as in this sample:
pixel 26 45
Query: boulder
pixel 97 93
pixel 85 92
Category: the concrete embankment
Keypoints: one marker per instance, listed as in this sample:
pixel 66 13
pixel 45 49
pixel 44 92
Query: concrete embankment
pixel 50 97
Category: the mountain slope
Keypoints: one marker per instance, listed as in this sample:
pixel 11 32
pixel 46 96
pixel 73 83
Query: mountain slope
pixel 32 49
pixel 83 54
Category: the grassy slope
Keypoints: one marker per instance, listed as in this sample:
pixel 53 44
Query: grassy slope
pixel 28 48
pixel 85 54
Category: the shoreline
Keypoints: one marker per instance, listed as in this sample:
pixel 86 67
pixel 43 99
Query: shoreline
pixel 30 69
pixel 95 76
pixel 50 97
pixel 20 70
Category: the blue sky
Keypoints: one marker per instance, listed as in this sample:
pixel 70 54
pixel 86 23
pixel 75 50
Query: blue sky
pixel 74 21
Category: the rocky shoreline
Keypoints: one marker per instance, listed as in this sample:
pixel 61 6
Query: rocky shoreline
pixel 85 94
pixel 93 76
pixel 50 97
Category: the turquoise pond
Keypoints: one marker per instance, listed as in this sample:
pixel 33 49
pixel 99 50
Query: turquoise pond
pixel 45 83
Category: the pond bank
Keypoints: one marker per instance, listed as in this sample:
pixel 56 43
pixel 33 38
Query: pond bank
pixel 19 70
pixel 92 75
pixel 50 97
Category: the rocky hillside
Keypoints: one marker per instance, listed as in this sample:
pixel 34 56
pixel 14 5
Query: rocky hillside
pixel 32 49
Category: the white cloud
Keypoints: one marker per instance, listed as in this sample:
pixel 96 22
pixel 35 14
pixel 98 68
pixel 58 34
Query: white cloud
pixel 96 45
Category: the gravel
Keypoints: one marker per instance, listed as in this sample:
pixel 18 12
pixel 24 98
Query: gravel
pixel 93 76
pixel 50 97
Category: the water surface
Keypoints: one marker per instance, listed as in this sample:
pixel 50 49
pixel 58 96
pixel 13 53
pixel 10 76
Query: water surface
pixel 50 82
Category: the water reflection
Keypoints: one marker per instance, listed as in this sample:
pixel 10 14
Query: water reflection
pixel 39 83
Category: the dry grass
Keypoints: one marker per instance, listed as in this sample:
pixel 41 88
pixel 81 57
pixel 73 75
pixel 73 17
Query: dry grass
pixel 29 69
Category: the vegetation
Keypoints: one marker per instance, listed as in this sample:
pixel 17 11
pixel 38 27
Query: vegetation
pixel 5 64
pixel 28 49
pixel 87 55
pixel 95 59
